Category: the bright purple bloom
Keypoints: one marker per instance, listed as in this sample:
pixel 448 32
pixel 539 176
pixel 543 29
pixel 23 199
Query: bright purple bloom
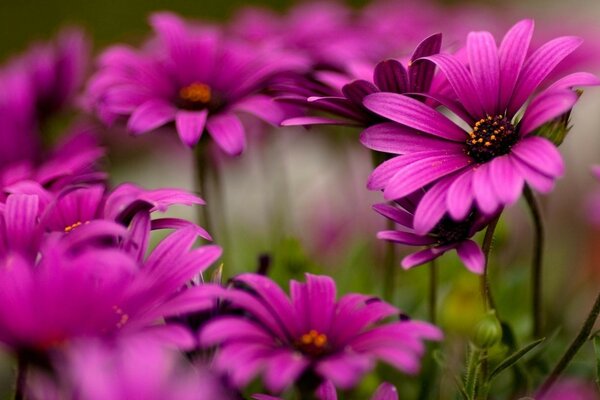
pixel 446 235
pixel 388 76
pixel 327 391
pixel 490 162
pixel 311 333
pixel 571 389
pixel 132 368
pixel 191 75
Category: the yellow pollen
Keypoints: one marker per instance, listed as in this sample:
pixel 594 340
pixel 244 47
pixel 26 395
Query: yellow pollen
pixel 72 226
pixel 480 140
pixel 314 338
pixel 493 137
pixel 124 317
pixel 487 144
pixel 196 93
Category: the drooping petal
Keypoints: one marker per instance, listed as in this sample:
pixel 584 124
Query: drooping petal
pixel 326 391
pixel 512 53
pixel 423 256
pixel 227 130
pixel 396 214
pixel 414 114
pixel 422 172
pixel 485 196
pixel 306 121
pixel 390 137
pixel 391 76
pixel 344 370
pixel 484 63
pixel 432 207
pixel 385 391
pixel 539 181
pixel 283 370
pixel 190 125
pixel 541 154
pixel 472 256
pixel 460 196
pixel 150 115
pixel 538 66
pixel 381 175
pixel 405 238
pixel 506 179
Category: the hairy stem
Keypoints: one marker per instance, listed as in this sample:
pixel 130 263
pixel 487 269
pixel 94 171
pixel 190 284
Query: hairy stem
pixel 433 288
pixel 486 293
pixel 536 265
pixel 578 342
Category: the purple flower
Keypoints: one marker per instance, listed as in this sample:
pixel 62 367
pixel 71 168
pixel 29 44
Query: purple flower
pixel 132 368
pixel 191 75
pixel 489 163
pixel 388 76
pixel 327 391
pixel 446 235
pixel 310 334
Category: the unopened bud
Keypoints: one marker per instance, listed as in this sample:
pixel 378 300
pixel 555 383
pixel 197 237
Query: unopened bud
pixel 488 331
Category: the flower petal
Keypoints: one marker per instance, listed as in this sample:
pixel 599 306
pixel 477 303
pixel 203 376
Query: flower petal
pixel 460 196
pixel 472 256
pixel 432 207
pixel 405 238
pixel 391 76
pixel 390 137
pixel 385 391
pixel 150 115
pixel 506 179
pixel 485 70
pixel 420 73
pixel 512 53
pixel 423 256
pixel 228 132
pixel 396 214
pixel 190 125
pixel 541 154
pixel 414 114
pixel 485 196
pixel 545 108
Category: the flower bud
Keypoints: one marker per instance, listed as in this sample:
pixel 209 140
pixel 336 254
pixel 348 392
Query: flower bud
pixel 488 331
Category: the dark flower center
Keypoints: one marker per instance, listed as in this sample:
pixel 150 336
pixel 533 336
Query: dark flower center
pixel 491 137
pixel 451 231
pixel 312 343
pixel 195 96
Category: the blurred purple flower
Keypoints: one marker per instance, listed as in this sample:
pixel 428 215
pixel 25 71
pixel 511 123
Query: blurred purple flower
pixel 310 334
pixel 489 164
pixel 571 389
pixel 388 76
pixel 132 368
pixel 191 75
pixel 327 391
pixel 446 235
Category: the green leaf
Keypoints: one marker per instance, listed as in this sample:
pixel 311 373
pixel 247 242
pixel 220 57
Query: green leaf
pixel 514 358
pixel 596 341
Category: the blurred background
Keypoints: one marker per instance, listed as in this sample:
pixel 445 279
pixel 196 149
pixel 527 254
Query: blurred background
pixel 297 198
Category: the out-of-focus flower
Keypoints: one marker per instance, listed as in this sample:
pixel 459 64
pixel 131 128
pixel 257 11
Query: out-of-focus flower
pixel 132 368
pixel 388 76
pixel 446 235
pixel 571 389
pixel 191 75
pixel 489 164
pixel 311 334
pixel 327 391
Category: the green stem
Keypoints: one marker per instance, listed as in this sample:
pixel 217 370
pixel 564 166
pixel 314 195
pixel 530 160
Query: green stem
pixel 389 267
pixel 201 175
pixel 578 342
pixel 536 266
pixel 486 293
pixel 433 284
pixel 21 379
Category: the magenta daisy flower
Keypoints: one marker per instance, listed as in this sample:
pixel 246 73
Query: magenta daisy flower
pixel 488 163
pixel 310 334
pixel 388 76
pixel 446 235
pixel 192 76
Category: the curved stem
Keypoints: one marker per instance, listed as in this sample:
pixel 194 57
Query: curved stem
pixel 536 266
pixel 486 293
pixel 580 339
pixel 21 379
pixel 433 284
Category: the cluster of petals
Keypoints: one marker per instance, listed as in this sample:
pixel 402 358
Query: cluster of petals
pixel 192 75
pixel 327 391
pixel 310 333
pixel 76 265
pixel 503 95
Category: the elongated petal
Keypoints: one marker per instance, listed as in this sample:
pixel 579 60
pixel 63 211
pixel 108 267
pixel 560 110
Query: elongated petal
pixel 538 66
pixel 546 107
pixel 484 63
pixel 541 154
pixel 423 256
pixel 396 214
pixel 512 53
pixel 357 90
pixel 422 172
pixel 150 115
pixel 344 370
pixel 539 181
pixel 326 391
pixel 306 121
pixel 575 79
pixel 391 76
pixel 228 132
pixel 485 196
pixel 190 125
pixel 405 238
pixel 472 256
pixel 263 107
pixel 421 72
pixel 283 370
pixel 394 138
pixel 381 175
pixel 414 114
pixel 460 196
pixel 461 81
pixel 432 207
pixel 385 391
